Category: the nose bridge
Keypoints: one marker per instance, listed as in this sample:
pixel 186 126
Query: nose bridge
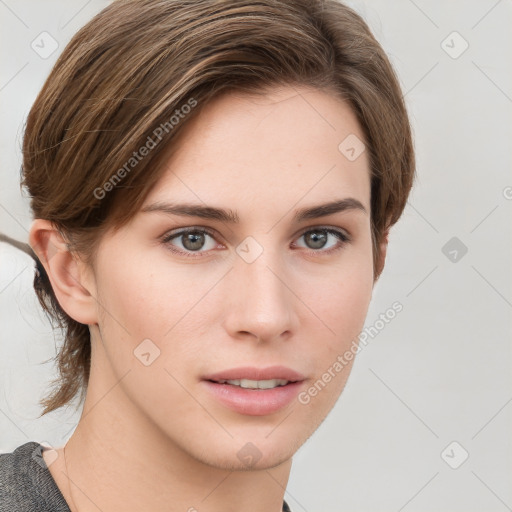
pixel 262 303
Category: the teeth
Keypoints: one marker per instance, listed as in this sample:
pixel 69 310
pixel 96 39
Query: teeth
pixel 256 384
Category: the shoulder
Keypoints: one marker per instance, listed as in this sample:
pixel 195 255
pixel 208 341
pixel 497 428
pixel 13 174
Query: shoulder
pixel 26 483
pixel 15 484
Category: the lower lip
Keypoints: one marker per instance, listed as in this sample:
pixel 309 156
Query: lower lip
pixel 254 402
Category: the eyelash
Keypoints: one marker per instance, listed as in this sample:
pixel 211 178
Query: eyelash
pixel 342 237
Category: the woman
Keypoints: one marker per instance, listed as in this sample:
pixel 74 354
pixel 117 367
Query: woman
pixel 212 185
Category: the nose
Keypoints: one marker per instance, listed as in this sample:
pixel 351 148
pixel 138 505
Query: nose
pixel 260 302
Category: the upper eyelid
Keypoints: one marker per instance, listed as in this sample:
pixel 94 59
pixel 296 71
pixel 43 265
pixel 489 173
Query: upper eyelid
pixel 182 231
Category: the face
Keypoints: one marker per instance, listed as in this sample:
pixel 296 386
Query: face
pixel 256 285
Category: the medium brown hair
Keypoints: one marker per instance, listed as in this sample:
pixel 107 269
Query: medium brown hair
pixel 136 64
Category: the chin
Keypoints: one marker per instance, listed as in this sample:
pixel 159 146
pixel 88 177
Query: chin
pixel 246 456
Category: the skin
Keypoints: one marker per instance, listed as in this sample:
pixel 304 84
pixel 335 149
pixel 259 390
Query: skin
pixel 151 437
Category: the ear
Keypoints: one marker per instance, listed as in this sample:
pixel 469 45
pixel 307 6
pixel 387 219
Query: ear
pixel 70 278
pixel 383 246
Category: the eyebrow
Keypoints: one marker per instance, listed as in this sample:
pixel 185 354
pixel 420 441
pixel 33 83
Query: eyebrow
pixel 230 216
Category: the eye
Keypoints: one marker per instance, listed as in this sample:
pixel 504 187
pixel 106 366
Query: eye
pixel 190 240
pixel 317 239
pixel 197 241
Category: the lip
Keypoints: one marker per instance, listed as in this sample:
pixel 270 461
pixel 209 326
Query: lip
pixel 254 402
pixel 251 373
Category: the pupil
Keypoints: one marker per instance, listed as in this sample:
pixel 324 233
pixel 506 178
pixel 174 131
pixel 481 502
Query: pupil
pixel 193 242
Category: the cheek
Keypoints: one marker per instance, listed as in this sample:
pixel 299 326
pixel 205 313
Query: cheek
pixel 146 325
pixel 342 315
pixel 131 297
pixel 156 301
pixel 340 305
pixel 340 297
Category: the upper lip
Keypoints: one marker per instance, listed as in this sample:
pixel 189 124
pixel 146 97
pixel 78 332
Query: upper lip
pixel 251 373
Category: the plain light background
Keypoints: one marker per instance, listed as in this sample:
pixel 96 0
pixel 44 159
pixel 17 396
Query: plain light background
pixel 434 385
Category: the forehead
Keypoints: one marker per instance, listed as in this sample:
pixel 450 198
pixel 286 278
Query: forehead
pixel 286 147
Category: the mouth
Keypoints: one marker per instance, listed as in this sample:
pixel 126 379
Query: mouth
pixel 253 391
pixel 254 384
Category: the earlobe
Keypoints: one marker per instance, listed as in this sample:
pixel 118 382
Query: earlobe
pixel 65 271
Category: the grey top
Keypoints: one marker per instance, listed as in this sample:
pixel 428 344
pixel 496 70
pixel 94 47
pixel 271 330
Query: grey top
pixel 26 484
